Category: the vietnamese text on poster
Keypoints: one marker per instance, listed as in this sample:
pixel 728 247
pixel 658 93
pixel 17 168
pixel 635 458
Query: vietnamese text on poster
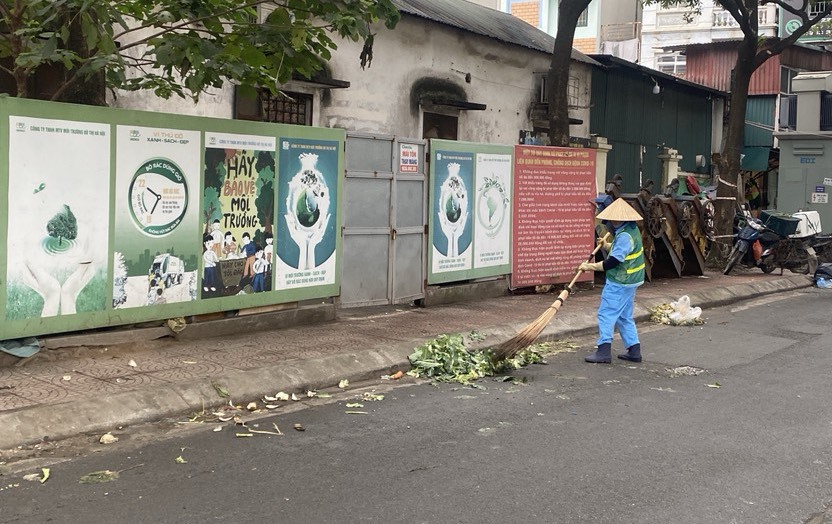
pixel 155 253
pixel 306 221
pixel 58 226
pixel 553 213
pixel 238 215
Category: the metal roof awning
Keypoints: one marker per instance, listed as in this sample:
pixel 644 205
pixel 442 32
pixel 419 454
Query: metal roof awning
pixel 459 104
pixel 320 81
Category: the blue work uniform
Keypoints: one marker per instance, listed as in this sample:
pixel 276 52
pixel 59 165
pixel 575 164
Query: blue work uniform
pixel 619 293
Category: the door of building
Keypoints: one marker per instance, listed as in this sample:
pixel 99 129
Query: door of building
pixel 385 211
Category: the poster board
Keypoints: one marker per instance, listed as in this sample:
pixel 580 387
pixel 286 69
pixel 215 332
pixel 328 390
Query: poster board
pixel 470 211
pixel 554 215
pixel 110 215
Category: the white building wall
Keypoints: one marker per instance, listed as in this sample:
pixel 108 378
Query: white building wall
pixel 502 77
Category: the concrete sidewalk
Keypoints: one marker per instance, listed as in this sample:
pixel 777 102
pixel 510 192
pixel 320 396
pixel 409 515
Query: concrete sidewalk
pixel 63 393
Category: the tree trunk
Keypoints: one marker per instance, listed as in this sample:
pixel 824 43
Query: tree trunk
pixel 558 78
pixel 729 186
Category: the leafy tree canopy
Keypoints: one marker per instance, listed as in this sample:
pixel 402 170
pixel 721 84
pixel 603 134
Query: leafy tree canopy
pixel 182 47
pixel 63 225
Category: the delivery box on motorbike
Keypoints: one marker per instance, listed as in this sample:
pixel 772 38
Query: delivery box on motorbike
pixel 809 224
pixel 781 223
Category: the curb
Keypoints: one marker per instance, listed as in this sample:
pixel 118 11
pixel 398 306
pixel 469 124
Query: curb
pixel 56 421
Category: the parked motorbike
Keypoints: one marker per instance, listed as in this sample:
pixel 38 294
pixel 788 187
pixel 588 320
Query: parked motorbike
pixel 774 250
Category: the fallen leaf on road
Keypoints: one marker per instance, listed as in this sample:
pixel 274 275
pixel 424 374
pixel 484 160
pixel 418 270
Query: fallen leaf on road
pixel 397 375
pixel 344 384
pixel 180 460
pixel 272 406
pixel 132 363
pixel 108 438
pixel 311 394
pixel 217 429
pixel 355 405
pixel 251 406
pixel 282 396
pixel 715 385
pixel 97 477
pixel 324 394
pixel 372 397
pixel 355 412
pixel 241 435
pixel 295 397
pixel 221 391
pixel 32 477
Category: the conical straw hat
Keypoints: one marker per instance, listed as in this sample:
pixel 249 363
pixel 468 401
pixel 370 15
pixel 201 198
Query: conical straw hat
pixel 619 211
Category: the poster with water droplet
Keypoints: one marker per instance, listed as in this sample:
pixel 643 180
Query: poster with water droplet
pixel 58 227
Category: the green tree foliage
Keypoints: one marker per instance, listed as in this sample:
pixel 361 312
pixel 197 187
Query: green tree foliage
pixel 752 52
pixel 63 225
pixel 176 47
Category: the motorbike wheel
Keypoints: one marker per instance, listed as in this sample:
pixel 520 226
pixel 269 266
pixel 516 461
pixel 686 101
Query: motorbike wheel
pixel 733 258
pixel 767 268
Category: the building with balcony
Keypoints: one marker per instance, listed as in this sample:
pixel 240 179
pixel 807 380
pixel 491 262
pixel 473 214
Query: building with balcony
pixel 610 27
pixel 666 32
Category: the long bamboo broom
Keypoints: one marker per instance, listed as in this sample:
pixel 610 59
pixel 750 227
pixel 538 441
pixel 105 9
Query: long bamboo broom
pixel 526 336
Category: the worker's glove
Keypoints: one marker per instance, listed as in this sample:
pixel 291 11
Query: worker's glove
pixel 591 266
pixel 605 245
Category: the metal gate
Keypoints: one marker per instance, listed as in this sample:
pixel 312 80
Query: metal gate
pixel 385 211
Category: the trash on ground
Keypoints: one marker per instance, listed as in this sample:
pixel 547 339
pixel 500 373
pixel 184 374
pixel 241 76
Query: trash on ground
pixel 132 363
pixel 715 385
pixel 356 412
pixel 678 313
pixel 446 359
pixel 299 427
pixel 311 394
pixel 687 371
pixel 108 438
pixel 282 396
pixel 252 406
pixel 295 397
pixel 344 384
pixel 355 405
pixel 371 397
pixel 41 477
pixel 180 460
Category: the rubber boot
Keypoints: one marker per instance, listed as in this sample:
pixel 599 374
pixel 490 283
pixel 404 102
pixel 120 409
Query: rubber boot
pixel 602 355
pixel 633 353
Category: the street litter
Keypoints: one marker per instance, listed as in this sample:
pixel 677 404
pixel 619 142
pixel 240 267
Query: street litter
pixel 371 397
pixel 108 438
pixel 299 427
pixel 715 385
pixel 355 405
pixel 678 313
pixel 688 371
pixel 180 460
pixel 41 477
pixel 251 406
pixel 132 363
pixel 105 475
pixel 344 384
pixel 355 412
pixel 446 359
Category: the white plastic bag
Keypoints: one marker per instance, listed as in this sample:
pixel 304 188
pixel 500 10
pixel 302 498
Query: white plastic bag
pixel 683 313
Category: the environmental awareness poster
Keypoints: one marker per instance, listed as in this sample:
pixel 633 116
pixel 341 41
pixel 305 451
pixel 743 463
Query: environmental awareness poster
pixel 554 215
pixel 58 217
pixel 155 252
pixel 238 215
pixel 307 200
pixel 470 211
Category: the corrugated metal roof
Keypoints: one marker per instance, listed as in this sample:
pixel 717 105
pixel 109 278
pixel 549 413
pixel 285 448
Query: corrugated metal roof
pixel 481 20
pixel 613 61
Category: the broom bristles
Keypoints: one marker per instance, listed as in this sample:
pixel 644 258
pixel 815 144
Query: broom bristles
pixel 526 336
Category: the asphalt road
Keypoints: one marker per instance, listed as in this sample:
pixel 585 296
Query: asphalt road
pixel 574 443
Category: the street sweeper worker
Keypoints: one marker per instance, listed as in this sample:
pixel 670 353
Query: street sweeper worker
pixel 624 268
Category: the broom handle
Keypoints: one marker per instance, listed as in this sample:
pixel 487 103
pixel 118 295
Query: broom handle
pixel 565 293
pixel 590 257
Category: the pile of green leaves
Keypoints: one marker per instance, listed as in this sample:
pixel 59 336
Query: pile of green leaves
pixel 446 359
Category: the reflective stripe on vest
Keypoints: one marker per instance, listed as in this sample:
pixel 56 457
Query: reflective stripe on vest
pixel 631 270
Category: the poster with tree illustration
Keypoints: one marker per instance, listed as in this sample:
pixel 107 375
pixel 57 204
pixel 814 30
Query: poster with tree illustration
pixel 58 217
pixel 307 210
pixel 238 215
pixel 155 254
